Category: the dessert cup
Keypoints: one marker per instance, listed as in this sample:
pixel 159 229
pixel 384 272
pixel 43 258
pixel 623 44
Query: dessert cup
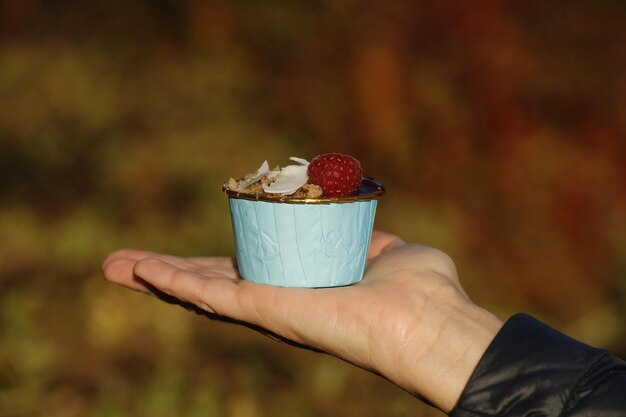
pixel 300 242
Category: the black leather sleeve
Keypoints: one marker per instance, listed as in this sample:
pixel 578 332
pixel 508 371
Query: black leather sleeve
pixel 533 370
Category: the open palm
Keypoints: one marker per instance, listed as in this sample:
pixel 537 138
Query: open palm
pixel 365 324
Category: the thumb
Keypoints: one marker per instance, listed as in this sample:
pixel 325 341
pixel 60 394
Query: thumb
pixel 382 242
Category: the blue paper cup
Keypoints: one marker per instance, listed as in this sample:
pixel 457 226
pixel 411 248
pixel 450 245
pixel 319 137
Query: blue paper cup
pixel 303 242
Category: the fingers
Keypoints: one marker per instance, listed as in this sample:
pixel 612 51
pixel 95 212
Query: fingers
pixel 382 242
pixel 212 284
pixel 227 261
pixel 279 310
pixel 190 263
pixel 120 271
pixel 214 292
pixel 209 283
pixel 129 254
pixel 118 266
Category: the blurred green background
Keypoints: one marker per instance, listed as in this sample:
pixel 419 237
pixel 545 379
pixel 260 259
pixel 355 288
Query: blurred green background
pixel 499 130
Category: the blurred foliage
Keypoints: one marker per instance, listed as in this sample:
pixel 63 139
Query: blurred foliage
pixel 497 128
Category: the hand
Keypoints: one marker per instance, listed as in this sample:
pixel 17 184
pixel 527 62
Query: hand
pixel 408 320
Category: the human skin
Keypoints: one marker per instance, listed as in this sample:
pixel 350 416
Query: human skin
pixel 408 320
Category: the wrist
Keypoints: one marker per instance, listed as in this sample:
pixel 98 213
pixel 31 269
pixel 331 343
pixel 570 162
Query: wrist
pixel 469 332
pixel 446 348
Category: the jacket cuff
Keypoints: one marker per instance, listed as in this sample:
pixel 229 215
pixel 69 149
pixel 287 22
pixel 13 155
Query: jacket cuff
pixel 528 366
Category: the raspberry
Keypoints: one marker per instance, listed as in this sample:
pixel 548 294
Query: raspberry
pixel 339 175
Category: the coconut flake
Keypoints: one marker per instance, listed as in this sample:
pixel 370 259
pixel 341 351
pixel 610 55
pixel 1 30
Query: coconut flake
pixel 290 178
pixel 301 161
pixel 263 170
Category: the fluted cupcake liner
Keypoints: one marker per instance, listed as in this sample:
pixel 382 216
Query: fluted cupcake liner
pixel 302 245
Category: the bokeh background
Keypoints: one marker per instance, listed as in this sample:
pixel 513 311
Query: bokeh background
pixel 497 127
